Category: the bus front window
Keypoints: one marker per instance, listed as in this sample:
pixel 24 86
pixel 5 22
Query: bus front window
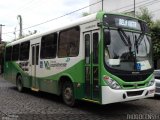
pixel 128 51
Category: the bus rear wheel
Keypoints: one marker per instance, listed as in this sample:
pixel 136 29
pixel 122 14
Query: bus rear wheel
pixel 68 94
pixel 19 83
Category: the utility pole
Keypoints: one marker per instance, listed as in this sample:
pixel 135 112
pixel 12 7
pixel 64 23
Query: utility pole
pixel 15 33
pixel 19 17
pixel 1 32
pixel 134 8
pixel 102 5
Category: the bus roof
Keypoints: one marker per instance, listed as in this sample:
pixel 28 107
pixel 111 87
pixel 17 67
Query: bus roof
pixel 80 21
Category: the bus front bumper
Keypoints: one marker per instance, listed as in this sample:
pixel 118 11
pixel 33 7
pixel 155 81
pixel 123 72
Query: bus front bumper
pixel 112 96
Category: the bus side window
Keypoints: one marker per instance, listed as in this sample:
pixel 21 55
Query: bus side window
pixel 49 46
pixel 24 50
pixel 72 49
pixel 15 52
pixel 69 42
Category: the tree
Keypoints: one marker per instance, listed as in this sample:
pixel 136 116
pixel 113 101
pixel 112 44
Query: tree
pixel 154 26
pixel 156 39
pixel 145 15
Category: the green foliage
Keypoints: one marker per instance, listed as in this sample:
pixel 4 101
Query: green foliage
pixel 145 15
pixel 156 39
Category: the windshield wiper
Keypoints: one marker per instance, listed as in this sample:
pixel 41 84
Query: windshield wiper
pixel 123 36
pixel 136 44
pixel 127 42
pixel 126 39
pixel 140 38
pixel 138 41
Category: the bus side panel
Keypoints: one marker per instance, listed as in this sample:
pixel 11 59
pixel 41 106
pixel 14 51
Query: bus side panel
pixel 79 84
pixel 17 69
pixel 51 71
pixel 8 71
pixel 27 81
pixel 48 85
pixel 75 73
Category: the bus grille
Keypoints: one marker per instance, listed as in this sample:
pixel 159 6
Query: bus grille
pixel 157 77
pixel 132 85
pixel 134 93
pixel 133 78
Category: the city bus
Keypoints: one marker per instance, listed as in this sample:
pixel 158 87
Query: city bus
pixel 101 58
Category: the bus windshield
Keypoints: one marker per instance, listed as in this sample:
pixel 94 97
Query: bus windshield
pixel 128 51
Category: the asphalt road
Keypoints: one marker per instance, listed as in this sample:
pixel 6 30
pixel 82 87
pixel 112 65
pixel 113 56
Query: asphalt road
pixel 43 106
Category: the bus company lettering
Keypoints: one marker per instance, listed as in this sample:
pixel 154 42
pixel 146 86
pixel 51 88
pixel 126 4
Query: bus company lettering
pixel 91 26
pixel 50 64
pixel 59 65
pixel 47 65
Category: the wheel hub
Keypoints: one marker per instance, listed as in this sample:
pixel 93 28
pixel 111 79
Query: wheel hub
pixel 68 93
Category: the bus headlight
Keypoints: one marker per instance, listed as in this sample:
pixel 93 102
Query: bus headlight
pixel 112 83
pixel 151 82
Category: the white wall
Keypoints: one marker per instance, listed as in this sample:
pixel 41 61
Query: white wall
pixel 127 6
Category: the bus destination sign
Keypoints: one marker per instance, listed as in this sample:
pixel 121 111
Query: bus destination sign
pixel 127 23
pixel 122 22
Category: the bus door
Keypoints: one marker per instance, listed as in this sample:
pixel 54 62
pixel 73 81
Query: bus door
pixel 92 87
pixel 34 66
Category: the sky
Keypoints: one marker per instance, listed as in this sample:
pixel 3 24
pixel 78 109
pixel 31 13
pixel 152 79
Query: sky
pixel 34 12
pixel 123 6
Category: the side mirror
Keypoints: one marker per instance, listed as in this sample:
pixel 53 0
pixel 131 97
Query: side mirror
pixel 107 37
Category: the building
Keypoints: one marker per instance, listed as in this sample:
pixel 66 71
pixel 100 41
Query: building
pixel 125 6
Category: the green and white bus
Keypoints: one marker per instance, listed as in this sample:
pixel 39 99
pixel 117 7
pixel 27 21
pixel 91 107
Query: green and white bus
pixel 102 58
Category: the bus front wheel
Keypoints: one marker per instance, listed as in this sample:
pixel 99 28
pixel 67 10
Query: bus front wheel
pixel 19 83
pixel 68 94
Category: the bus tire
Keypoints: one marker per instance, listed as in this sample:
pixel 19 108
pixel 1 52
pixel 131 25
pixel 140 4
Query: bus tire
pixel 19 83
pixel 68 94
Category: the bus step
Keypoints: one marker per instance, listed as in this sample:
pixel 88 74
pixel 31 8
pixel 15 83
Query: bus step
pixel 35 89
